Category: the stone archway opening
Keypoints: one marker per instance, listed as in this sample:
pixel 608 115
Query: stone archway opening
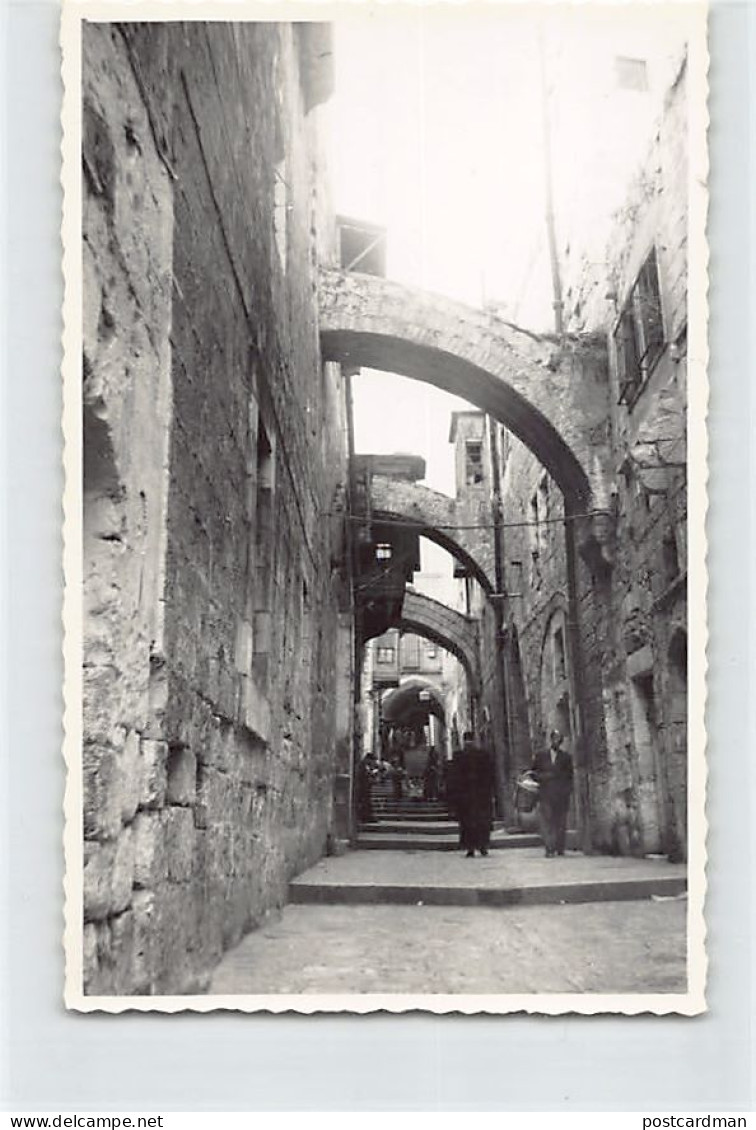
pixel 550 393
pixel 416 707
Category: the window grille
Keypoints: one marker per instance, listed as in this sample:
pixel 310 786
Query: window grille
pixel 639 337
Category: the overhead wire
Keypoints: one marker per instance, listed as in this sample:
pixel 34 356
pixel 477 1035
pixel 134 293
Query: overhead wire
pixel 419 523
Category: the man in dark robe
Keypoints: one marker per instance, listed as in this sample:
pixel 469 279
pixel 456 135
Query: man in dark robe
pixel 473 790
pixel 553 771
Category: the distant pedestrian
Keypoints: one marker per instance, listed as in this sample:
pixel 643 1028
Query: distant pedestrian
pixel 366 774
pixel 432 775
pixel 397 778
pixel 472 784
pixel 553 771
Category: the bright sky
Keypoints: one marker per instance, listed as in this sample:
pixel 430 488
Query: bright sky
pixel 419 109
pixel 436 107
pixel 437 134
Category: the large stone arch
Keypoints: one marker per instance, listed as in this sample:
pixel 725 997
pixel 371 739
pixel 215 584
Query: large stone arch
pixel 435 516
pixel 552 394
pixel 446 627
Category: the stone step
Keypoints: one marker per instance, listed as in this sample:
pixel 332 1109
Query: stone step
pixel 411 808
pixel 409 826
pixel 375 842
pixel 379 841
pixel 502 879
pixel 618 890
pixel 413 817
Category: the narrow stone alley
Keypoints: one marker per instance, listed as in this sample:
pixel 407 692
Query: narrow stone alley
pixel 384 650
pixel 407 912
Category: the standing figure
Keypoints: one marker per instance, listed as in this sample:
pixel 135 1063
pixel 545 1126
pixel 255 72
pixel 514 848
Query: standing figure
pixel 432 776
pixel 553 771
pixel 473 790
pixel 397 775
pixel 366 774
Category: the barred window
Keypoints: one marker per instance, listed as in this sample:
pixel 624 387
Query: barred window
pixel 639 337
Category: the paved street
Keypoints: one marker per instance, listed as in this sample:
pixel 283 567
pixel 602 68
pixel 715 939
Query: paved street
pixel 515 922
pixel 611 947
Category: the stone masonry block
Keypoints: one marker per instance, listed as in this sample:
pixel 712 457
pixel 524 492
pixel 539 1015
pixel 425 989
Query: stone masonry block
pixel 149 849
pixel 154 773
pixel 123 871
pixel 108 877
pixel 262 632
pixel 179 844
pixel 144 912
pixel 122 941
pixel 254 708
pixel 131 776
pixel 243 647
pixel 89 954
pixel 98 881
pixel 102 792
pixel 182 776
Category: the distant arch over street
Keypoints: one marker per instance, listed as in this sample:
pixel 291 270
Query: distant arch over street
pixel 552 394
pixel 444 626
pixel 397 700
pixel 435 516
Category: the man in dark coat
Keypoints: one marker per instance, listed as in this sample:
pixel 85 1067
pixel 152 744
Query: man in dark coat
pixel 553 771
pixel 473 790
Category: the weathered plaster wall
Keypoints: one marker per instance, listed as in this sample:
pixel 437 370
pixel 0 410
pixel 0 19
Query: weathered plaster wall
pixel 235 746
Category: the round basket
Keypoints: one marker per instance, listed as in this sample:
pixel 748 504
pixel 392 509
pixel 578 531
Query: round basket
pixel 526 793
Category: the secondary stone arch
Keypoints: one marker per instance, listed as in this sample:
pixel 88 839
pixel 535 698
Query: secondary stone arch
pixel 446 627
pixel 438 518
pixel 551 394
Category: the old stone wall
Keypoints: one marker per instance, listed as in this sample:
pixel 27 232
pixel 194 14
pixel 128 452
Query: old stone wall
pixel 535 570
pixel 645 649
pixel 235 745
pixel 632 612
pixel 127 257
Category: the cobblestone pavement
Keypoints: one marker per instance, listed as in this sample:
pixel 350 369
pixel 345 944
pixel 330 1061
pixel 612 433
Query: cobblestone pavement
pixel 608 947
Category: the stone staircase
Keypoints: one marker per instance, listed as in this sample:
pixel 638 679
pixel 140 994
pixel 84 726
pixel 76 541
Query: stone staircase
pixel 413 859
pixel 416 824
